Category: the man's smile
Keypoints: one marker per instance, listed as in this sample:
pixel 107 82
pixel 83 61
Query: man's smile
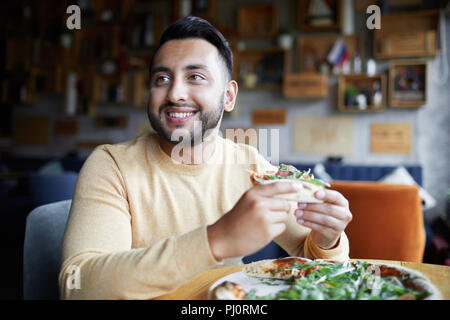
pixel 178 115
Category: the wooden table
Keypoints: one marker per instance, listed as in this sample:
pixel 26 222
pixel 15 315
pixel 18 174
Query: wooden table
pixel 197 288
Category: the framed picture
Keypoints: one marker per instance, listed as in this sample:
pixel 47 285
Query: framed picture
pixel 408 87
pixel 394 138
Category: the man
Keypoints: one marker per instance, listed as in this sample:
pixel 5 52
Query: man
pixel 147 215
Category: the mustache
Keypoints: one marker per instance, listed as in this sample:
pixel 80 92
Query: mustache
pixel 178 105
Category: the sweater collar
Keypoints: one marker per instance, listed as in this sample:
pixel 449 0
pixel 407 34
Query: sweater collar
pixel 165 161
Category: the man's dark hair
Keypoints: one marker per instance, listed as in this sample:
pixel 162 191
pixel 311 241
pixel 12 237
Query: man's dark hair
pixel 195 27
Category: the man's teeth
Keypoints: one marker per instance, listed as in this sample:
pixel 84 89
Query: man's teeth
pixel 180 114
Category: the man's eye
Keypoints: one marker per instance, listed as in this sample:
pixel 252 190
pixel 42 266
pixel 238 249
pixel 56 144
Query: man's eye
pixel 162 79
pixel 196 77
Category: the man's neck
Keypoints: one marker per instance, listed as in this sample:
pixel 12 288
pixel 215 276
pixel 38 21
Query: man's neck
pixel 195 155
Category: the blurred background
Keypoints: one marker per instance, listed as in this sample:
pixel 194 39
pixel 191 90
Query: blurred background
pixel 353 94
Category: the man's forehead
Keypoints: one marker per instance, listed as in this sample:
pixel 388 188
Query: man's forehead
pixel 188 51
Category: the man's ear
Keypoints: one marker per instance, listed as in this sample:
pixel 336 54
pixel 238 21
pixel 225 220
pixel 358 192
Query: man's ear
pixel 231 91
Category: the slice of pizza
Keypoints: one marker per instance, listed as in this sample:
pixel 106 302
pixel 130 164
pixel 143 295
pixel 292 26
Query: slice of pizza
pixel 410 279
pixel 290 173
pixel 281 268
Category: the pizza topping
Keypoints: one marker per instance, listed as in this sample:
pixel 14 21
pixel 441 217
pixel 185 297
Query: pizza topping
pixel 228 291
pixel 359 280
pixel 288 172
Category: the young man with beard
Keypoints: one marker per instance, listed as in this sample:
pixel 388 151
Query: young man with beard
pixel 147 216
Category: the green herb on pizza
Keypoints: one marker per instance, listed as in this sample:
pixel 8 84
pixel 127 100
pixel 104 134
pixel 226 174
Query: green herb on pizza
pixel 290 173
pixel 330 280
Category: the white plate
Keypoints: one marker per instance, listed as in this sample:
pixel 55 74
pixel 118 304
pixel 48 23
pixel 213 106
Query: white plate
pixel 262 286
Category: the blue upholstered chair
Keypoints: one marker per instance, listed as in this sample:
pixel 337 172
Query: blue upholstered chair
pixel 49 188
pixel 42 250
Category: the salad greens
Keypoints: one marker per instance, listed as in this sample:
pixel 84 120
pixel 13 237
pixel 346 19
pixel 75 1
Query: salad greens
pixel 290 173
pixel 323 280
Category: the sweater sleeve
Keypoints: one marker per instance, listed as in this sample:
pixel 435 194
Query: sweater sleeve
pixel 98 261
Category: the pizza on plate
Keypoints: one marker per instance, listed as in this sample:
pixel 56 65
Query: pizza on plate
pixel 305 279
pixel 290 173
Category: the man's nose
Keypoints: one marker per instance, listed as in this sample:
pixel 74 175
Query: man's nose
pixel 177 92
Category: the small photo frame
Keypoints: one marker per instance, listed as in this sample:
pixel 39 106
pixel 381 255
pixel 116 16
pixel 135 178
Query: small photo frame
pixel 407 84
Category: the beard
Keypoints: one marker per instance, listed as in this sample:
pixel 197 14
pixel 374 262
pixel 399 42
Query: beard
pixel 208 119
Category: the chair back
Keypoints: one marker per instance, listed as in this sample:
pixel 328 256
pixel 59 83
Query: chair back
pixel 387 221
pixel 44 232
pixel 49 188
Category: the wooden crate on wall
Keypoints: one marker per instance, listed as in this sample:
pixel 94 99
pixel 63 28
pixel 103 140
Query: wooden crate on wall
pixel 267 66
pixel 406 35
pixel 15 45
pixel 365 85
pixel 258 21
pixel 31 130
pixel 305 85
pixel 140 89
pixel 268 116
pixel 110 89
pixel 407 84
pixel 205 9
pixel 305 25
pixel 314 50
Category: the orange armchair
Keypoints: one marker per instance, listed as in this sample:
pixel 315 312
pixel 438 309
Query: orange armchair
pixel 387 221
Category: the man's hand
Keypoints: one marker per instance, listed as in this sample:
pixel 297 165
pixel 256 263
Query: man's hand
pixel 327 220
pixel 253 222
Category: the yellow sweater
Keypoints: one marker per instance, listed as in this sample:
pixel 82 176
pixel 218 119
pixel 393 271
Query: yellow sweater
pixel 137 225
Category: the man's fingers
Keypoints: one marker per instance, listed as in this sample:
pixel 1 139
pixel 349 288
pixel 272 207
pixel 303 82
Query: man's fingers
pixel 335 211
pixel 277 216
pixel 331 196
pixel 276 204
pixel 318 218
pixel 279 187
pixel 318 227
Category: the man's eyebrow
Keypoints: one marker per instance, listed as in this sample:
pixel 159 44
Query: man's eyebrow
pixel 196 66
pixel 160 69
pixel 188 67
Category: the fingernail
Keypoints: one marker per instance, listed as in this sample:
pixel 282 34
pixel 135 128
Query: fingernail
pixel 298 213
pixel 301 205
pixel 320 194
pixel 300 221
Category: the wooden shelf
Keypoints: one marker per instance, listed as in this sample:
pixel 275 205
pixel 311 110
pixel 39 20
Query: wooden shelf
pixel 262 68
pixel 305 85
pixel 314 50
pixel 140 88
pixel 406 35
pixel 407 84
pixel 106 89
pixel 347 102
pixel 258 21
